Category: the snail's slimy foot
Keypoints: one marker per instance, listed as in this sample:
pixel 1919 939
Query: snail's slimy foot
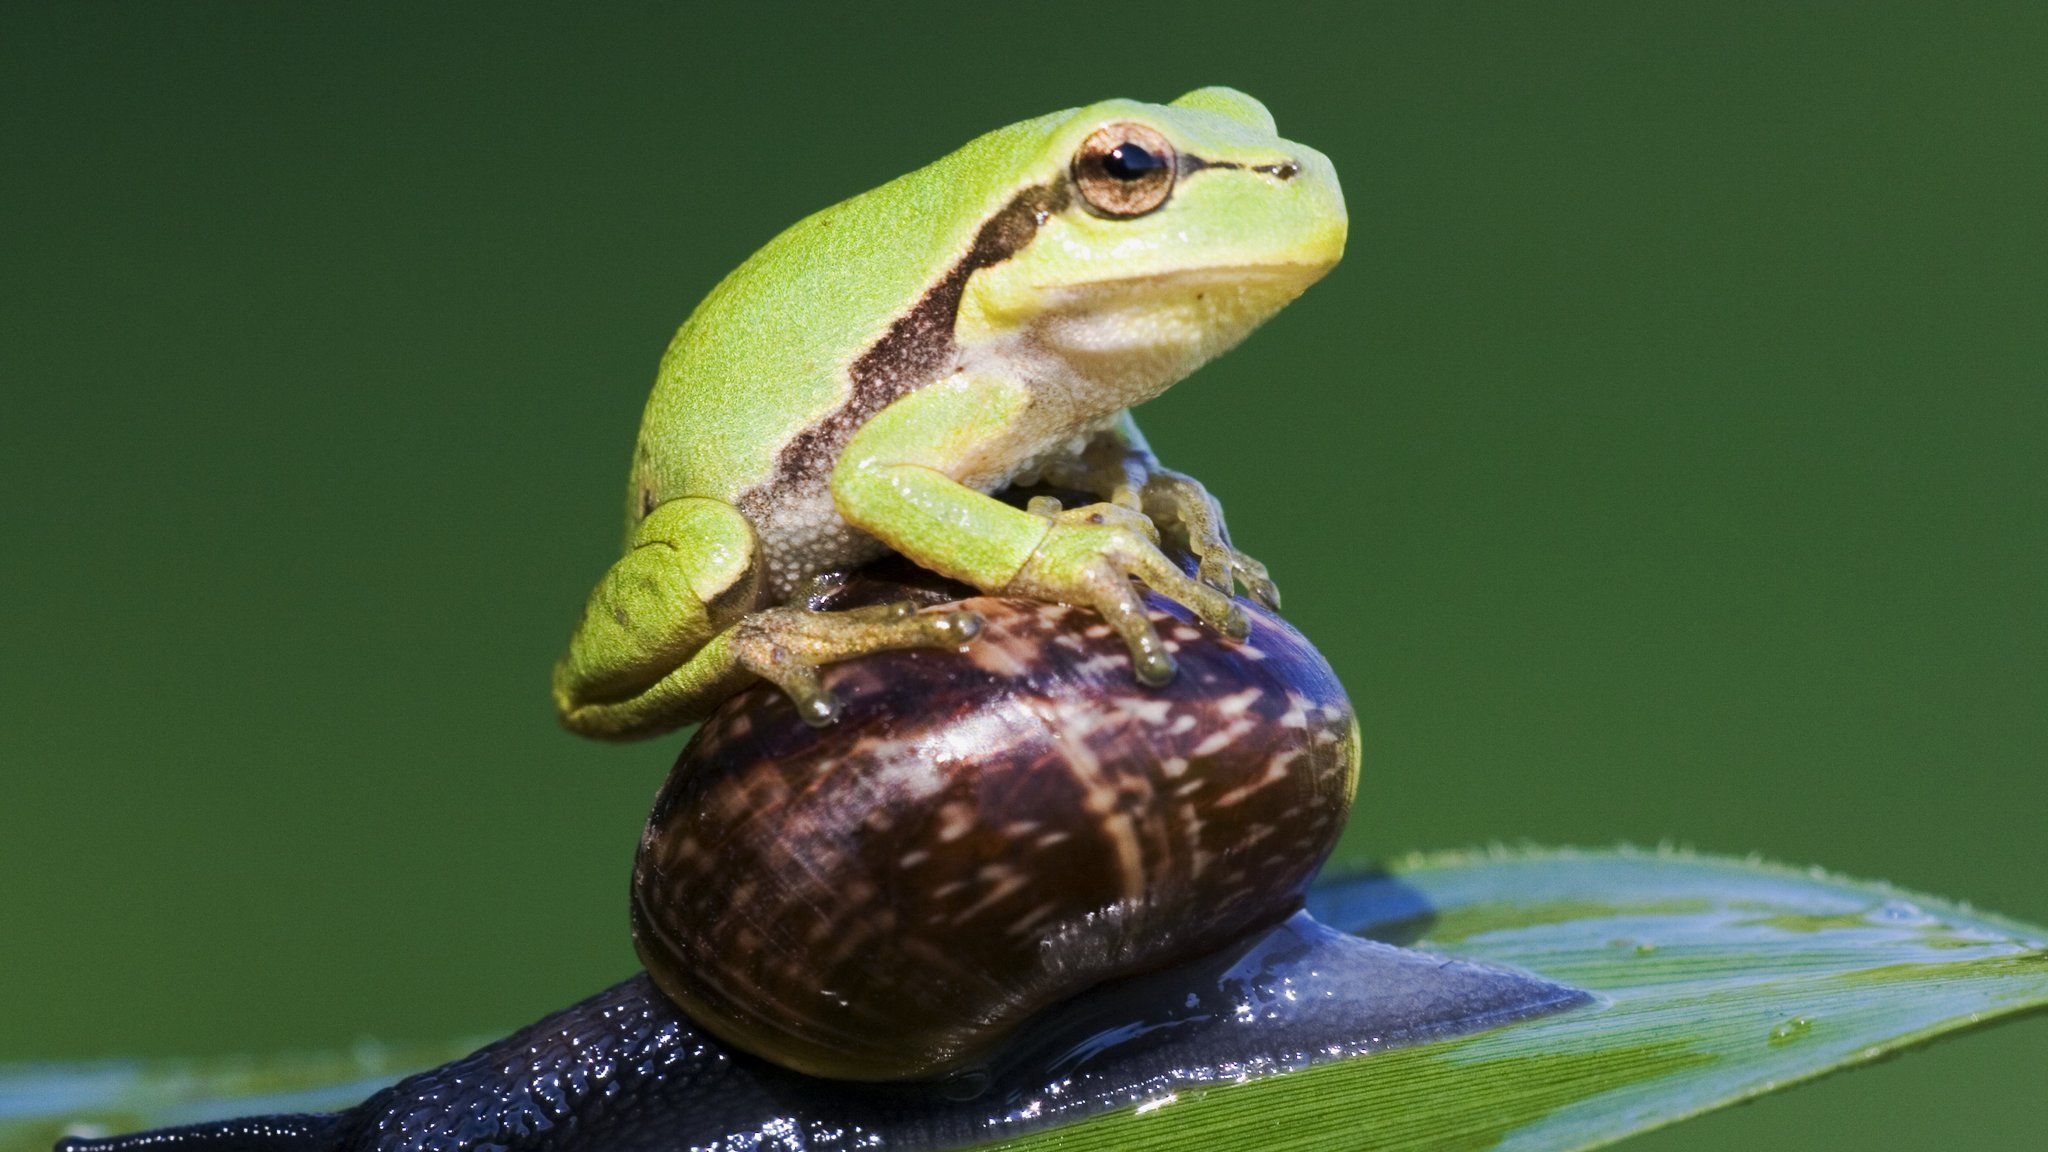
pixel 625 1071
pixel 1299 994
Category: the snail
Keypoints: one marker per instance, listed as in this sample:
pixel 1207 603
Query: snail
pixel 1011 888
pixel 984 833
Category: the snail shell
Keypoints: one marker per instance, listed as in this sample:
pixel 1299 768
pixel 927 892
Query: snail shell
pixel 985 832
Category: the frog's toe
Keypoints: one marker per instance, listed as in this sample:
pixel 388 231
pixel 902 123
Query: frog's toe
pixel 1106 587
pixel 1253 576
pixel 1112 594
pixel 815 704
pixel 786 646
pixel 1266 592
pixel 1183 501
pixel 1212 605
pixel 1225 569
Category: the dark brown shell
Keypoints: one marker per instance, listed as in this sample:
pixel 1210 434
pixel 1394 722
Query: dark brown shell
pixel 984 833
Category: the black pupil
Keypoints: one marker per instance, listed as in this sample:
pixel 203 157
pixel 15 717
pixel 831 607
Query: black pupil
pixel 1127 161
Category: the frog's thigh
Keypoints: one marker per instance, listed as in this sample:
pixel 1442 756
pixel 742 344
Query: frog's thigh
pixel 650 653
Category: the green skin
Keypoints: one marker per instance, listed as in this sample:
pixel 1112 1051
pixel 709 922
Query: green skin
pixel 865 381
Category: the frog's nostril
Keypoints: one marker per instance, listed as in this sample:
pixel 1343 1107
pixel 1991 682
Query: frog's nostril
pixel 1284 170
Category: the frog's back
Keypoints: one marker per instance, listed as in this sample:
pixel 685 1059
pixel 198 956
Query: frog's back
pixel 773 352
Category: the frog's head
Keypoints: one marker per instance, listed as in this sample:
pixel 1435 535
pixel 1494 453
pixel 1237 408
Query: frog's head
pixel 1158 236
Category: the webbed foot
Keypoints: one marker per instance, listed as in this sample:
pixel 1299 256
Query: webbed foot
pixel 787 645
pixel 1090 557
pixel 1176 498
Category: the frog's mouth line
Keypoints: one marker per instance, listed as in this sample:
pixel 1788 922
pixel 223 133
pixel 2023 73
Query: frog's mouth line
pixel 1259 276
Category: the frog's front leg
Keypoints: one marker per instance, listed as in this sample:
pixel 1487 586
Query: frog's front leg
pixel 896 481
pixel 671 630
pixel 1117 465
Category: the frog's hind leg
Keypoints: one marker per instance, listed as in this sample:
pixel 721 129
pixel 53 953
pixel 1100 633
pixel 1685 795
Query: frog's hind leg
pixel 670 631
pixel 635 665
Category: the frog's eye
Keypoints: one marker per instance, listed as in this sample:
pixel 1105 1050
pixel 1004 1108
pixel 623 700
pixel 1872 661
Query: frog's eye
pixel 1124 170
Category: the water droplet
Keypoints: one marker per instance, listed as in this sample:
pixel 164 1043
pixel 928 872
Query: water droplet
pixel 1901 912
pixel 1797 1028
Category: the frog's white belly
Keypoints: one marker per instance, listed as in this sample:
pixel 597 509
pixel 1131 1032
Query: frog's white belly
pixel 804 534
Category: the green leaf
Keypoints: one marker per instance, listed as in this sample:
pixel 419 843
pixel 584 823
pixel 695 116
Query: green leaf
pixel 1719 980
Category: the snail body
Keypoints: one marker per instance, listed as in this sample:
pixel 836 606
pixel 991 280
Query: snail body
pixel 627 1071
pixel 815 910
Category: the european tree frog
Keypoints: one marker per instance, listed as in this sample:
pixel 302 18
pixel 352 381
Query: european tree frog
pixel 864 382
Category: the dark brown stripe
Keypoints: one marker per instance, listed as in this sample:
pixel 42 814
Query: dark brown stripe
pixel 1191 164
pixel 914 350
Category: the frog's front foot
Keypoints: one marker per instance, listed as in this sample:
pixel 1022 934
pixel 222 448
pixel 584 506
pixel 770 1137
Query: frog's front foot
pixel 1174 498
pixel 1090 557
pixel 787 645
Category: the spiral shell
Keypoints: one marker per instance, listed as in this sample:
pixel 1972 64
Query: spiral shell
pixel 985 832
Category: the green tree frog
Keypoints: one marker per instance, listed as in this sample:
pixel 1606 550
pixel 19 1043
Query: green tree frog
pixel 864 383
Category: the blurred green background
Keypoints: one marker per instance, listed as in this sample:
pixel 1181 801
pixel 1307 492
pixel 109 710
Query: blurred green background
pixel 1665 461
